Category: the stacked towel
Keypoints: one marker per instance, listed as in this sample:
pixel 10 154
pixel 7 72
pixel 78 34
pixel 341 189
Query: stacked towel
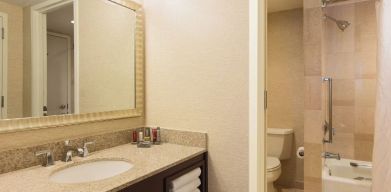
pixel 190 187
pixel 187 183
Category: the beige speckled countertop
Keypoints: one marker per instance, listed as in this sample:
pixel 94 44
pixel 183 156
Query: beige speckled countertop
pixel 146 161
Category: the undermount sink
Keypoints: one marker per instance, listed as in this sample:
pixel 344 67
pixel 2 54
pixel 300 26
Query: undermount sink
pixel 91 171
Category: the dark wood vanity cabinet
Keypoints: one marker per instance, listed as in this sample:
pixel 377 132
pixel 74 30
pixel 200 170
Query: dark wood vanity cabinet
pixel 160 181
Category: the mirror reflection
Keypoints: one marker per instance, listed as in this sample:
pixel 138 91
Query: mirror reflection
pixel 53 63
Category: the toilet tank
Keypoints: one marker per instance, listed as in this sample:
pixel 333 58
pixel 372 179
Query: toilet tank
pixel 279 142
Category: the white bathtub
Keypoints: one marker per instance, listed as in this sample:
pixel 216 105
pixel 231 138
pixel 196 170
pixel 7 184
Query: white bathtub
pixel 339 176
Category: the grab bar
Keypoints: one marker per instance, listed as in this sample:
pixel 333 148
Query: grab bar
pixel 328 125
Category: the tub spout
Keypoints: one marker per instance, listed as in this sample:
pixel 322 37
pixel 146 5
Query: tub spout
pixel 329 155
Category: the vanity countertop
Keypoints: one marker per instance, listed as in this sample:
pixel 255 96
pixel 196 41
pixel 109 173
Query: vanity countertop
pixel 146 161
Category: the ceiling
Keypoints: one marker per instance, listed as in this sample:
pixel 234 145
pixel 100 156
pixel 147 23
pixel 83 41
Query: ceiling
pixel 60 20
pixel 273 5
pixel 282 5
pixel 23 3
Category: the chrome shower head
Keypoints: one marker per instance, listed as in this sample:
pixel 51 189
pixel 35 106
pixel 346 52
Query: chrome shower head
pixel 342 24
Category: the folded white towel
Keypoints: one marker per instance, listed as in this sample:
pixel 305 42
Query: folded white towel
pixel 190 187
pixel 185 179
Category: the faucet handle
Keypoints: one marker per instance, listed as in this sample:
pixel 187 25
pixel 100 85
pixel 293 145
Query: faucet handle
pixel 67 143
pixel 329 155
pixel 88 143
pixel 84 152
pixel 48 156
pixel 43 152
pixel 80 151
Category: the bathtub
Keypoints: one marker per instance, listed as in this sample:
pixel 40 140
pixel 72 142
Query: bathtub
pixel 339 176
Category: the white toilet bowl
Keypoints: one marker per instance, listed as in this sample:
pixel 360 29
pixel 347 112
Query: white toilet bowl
pixel 279 142
pixel 273 166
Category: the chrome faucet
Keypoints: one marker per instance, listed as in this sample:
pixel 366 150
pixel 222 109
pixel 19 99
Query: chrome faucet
pixel 69 152
pixel 83 152
pixel 329 155
pixel 68 156
pixel 48 157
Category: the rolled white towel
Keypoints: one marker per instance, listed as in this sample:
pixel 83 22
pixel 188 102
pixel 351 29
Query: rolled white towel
pixel 185 179
pixel 190 187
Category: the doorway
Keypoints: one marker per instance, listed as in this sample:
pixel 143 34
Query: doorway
pixel 53 34
pixel 58 88
pixel 59 78
pixel 3 65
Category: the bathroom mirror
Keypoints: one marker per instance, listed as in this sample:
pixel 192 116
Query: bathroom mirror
pixel 63 57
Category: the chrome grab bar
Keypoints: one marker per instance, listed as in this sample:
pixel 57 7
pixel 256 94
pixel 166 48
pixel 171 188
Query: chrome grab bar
pixel 328 124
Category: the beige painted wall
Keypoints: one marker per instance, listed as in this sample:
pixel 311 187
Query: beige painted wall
pixel 285 85
pixel 27 110
pixel 107 72
pixel 15 59
pixel 197 79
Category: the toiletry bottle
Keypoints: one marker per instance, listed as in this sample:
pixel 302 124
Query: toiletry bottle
pixel 158 136
pixel 134 137
pixel 147 134
pixel 140 136
pixel 154 135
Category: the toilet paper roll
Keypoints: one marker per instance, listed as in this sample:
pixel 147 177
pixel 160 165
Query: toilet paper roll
pixel 300 153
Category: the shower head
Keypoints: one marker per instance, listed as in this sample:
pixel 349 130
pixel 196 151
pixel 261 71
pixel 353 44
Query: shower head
pixel 342 24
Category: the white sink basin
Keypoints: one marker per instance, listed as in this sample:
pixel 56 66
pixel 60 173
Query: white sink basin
pixel 91 171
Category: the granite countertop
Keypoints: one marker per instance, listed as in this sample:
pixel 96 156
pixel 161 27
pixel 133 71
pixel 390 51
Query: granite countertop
pixel 146 161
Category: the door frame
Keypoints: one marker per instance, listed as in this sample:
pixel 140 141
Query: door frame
pixel 257 95
pixel 38 52
pixel 69 80
pixel 4 68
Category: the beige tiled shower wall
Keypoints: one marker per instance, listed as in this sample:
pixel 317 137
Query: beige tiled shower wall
pixel 313 115
pixel 350 59
pixel 15 59
pixel 286 84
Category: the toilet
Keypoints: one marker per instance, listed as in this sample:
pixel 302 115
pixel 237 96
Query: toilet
pixel 279 147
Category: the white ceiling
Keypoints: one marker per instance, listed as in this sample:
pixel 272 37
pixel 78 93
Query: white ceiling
pixel 282 5
pixel 273 5
pixel 23 3
pixel 60 20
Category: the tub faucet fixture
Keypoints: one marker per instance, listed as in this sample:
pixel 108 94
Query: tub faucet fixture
pixel 329 155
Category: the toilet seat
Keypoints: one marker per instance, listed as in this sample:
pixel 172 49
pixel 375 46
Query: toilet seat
pixel 273 172
pixel 272 164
